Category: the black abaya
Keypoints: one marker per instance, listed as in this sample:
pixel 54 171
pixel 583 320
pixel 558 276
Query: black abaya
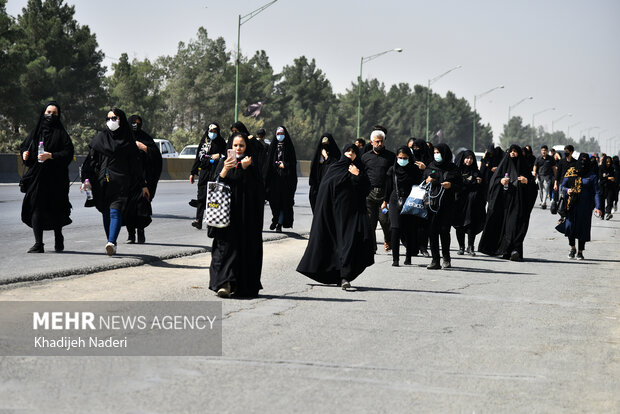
pixel 281 183
pixel 341 241
pixel 319 164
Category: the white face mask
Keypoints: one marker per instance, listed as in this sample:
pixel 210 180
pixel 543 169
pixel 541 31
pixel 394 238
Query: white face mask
pixel 113 125
pixel 280 137
pixel 438 158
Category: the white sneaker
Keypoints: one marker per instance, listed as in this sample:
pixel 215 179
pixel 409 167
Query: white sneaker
pixel 110 249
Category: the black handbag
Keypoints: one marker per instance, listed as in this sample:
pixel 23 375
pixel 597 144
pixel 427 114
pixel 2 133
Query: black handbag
pixel 26 181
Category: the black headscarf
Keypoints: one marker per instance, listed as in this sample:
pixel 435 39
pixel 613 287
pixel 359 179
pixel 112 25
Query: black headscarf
pixel 288 150
pixel 423 153
pixel 406 173
pixel 333 152
pixel 446 157
pixel 109 142
pixel 460 162
pixel 240 126
pixel 344 160
pixel 52 132
pixel 584 164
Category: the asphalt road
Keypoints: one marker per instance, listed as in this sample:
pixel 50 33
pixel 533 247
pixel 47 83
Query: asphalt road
pixel 488 336
pixel 169 235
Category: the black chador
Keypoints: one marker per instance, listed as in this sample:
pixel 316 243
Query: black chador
pixel 281 179
pixel 341 242
pixel 46 184
pixel 470 202
pixel 326 153
pixel 138 212
pixel 509 207
pixel 237 252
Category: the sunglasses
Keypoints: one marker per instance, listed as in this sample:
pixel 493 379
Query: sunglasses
pixel 111 118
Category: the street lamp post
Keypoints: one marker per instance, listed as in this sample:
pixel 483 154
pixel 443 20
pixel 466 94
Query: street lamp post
pixel 559 119
pixel 533 118
pixel 475 99
pixel 359 83
pixel 569 127
pixel 590 129
pixel 511 107
pixel 428 94
pixel 242 20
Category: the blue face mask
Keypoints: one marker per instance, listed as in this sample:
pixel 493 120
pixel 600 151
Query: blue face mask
pixel 280 137
pixel 438 158
pixel 212 135
pixel 402 162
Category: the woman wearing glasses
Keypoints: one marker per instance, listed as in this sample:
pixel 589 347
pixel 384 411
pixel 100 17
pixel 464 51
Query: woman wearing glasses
pixel 114 170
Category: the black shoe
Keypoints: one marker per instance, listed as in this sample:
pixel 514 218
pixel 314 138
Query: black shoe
pixel 345 284
pixel 470 251
pixel 461 251
pixel 273 226
pixel 197 224
pixel 131 236
pixel 580 256
pixel 193 202
pixel 434 265
pixel 395 264
pixel 407 261
pixel 609 216
pixel 544 206
pixel 36 248
pixel 515 257
pixel 571 254
pixel 446 264
pixel 141 237
pixel 59 244
pixel 279 228
pixel 506 256
pixel 424 253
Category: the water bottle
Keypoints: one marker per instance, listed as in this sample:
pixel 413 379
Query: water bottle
pixel 41 150
pixel 386 209
pixel 506 185
pixel 88 189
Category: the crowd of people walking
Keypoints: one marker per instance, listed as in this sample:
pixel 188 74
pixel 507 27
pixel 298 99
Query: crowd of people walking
pixel 416 194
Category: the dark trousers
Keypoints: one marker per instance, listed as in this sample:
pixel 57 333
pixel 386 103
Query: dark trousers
pixel 609 201
pixel 439 230
pixel 37 229
pixel 582 243
pixel 201 199
pixel 373 206
pixel 407 234
pixel 460 236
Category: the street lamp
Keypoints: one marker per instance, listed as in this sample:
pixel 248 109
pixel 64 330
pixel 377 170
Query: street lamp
pixel 559 119
pixel 359 83
pixel 428 94
pixel 515 105
pixel 569 127
pixel 590 129
pixel 476 98
pixel 242 20
pixel 533 117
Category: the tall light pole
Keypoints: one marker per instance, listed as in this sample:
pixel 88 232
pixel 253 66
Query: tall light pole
pixel 475 99
pixel 590 129
pixel 559 119
pixel 359 83
pixel 511 107
pixel 569 127
pixel 428 94
pixel 242 20
pixel 533 118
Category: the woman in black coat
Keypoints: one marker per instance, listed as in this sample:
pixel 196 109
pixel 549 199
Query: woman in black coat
pixel 609 186
pixel 470 203
pixel 46 183
pixel 326 153
pixel 422 156
pixel 341 243
pixel 403 175
pixel 210 149
pixel 511 197
pixel 444 180
pixel 115 172
pixel 237 252
pixel 281 179
pixel 138 213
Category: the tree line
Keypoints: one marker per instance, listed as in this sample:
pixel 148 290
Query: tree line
pixel 45 53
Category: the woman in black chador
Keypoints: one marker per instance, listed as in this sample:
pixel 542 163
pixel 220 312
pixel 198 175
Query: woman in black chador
pixel 492 157
pixel 210 149
pixel 580 186
pixel 609 186
pixel 327 153
pixel 403 175
pixel 114 169
pixel 444 180
pixel 423 156
pixel 138 213
pixel 237 252
pixel 281 180
pixel 511 197
pixel 46 183
pixel 341 241
pixel 470 202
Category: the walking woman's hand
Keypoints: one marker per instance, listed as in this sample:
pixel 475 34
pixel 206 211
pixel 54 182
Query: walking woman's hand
pixel 446 184
pixel 191 178
pixel 25 155
pixel 246 162
pixel 354 170
pixel 522 179
pixel 145 193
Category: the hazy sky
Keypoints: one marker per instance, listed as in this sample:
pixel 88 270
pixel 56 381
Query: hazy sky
pixel 563 53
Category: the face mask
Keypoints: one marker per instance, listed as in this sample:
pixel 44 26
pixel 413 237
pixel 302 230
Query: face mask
pixel 136 127
pixel 113 125
pixel 50 117
pixel 438 158
pixel 280 137
pixel 567 153
pixel 378 148
pixel 212 135
pixel 402 162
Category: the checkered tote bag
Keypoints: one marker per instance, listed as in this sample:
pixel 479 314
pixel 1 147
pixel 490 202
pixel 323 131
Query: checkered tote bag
pixel 217 212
